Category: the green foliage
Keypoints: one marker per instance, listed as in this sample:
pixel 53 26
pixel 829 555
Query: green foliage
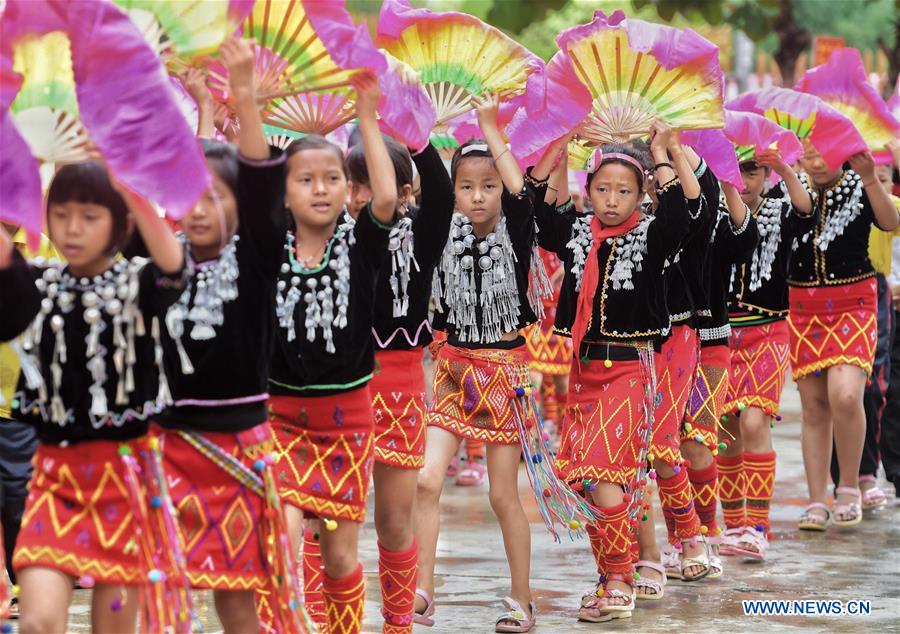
pixel 860 22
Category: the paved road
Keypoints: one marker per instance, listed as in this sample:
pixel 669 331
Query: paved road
pixel 842 565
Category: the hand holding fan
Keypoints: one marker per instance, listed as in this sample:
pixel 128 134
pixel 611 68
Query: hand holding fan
pixel 458 56
pixel 185 28
pixel 745 135
pixel 813 121
pixel 841 83
pixel 121 98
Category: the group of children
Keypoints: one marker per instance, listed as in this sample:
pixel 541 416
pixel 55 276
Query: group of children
pixel 206 414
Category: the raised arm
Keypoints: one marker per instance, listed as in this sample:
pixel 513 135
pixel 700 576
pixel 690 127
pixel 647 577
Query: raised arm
pixel 800 198
pixel 487 106
pixel 237 55
pixel 194 82
pixel 737 210
pixel 886 215
pixel 382 178
pixel 165 250
pixel 665 143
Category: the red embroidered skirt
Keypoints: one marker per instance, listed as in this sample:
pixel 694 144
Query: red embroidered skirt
pixel 548 353
pixel 676 365
pixel 324 452
pixel 218 515
pixel 759 365
pixel 473 392
pixel 78 518
pixel 605 411
pixel 832 325
pixel 709 393
pixel 398 405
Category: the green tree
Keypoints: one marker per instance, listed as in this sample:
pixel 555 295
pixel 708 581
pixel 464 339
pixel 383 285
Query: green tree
pixel 786 27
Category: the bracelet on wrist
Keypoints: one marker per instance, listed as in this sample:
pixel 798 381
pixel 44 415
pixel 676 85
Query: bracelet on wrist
pixel 663 164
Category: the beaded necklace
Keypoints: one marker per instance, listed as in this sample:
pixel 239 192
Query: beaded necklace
pixel 325 298
pixel 109 299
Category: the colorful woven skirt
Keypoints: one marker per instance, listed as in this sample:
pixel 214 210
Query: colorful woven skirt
pixel 219 516
pixel 78 518
pixel 832 325
pixel 606 420
pixel 759 365
pixel 676 365
pixel 548 353
pixel 709 393
pixel 473 393
pixel 324 452
pixel 398 405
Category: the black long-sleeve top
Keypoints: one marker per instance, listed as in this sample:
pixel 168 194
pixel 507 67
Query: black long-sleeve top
pixel 519 212
pixel 759 292
pixel 840 222
pixel 301 367
pixel 42 297
pixel 731 247
pixel 429 226
pixel 687 289
pixel 228 387
pixel 631 311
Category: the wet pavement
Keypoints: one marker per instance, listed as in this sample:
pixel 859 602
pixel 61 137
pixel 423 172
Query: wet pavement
pixel 845 565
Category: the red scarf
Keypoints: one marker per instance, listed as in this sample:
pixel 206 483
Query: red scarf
pixel 591 276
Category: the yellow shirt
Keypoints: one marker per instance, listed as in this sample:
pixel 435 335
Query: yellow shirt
pixel 881 245
pixel 9 361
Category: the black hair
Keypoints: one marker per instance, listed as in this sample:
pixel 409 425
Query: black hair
pixel 222 158
pixel 89 182
pixel 750 165
pixel 458 155
pixel 316 142
pixel 634 149
pixel 359 173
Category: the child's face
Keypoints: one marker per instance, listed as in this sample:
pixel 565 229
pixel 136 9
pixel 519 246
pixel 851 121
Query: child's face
pixel 814 165
pixel 82 233
pixel 754 182
pixel 203 224
pixel 316 187
pixel 360 195
pixel 884 173
pixel 478 190
pixel 615 193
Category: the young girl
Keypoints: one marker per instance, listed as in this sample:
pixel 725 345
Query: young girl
pixel 734 236
pixel 89 384
pixel 482 292
pixel 757 307
pixel 686 556
pixel 320 406
pixel 832 324
pixel 217 430
pixel 613 307
pixel 402 331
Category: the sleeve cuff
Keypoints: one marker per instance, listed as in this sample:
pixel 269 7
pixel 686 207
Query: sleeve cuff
pixel 378 223
pixel 739 230
pixel 276 157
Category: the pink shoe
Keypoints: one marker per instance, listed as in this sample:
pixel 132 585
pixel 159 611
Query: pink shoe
pixel 730 540
pixel 472 474
pixel 426 618
pixel 873 497
pixel 516 619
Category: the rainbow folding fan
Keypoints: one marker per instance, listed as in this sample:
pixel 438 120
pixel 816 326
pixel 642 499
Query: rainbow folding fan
pixel 832 134
pixel 306 53
pixel 458 56
pixel 745 134
pixel 186 28
pixel 612 78
pixel 841 83
pixel 90 81
pixel 46 109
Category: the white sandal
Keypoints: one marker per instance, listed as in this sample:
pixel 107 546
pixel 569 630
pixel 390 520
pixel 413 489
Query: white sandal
pixel 658 588
pixel 700 560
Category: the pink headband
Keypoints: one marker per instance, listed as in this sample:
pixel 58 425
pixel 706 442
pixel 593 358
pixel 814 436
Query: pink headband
pixel 598 156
